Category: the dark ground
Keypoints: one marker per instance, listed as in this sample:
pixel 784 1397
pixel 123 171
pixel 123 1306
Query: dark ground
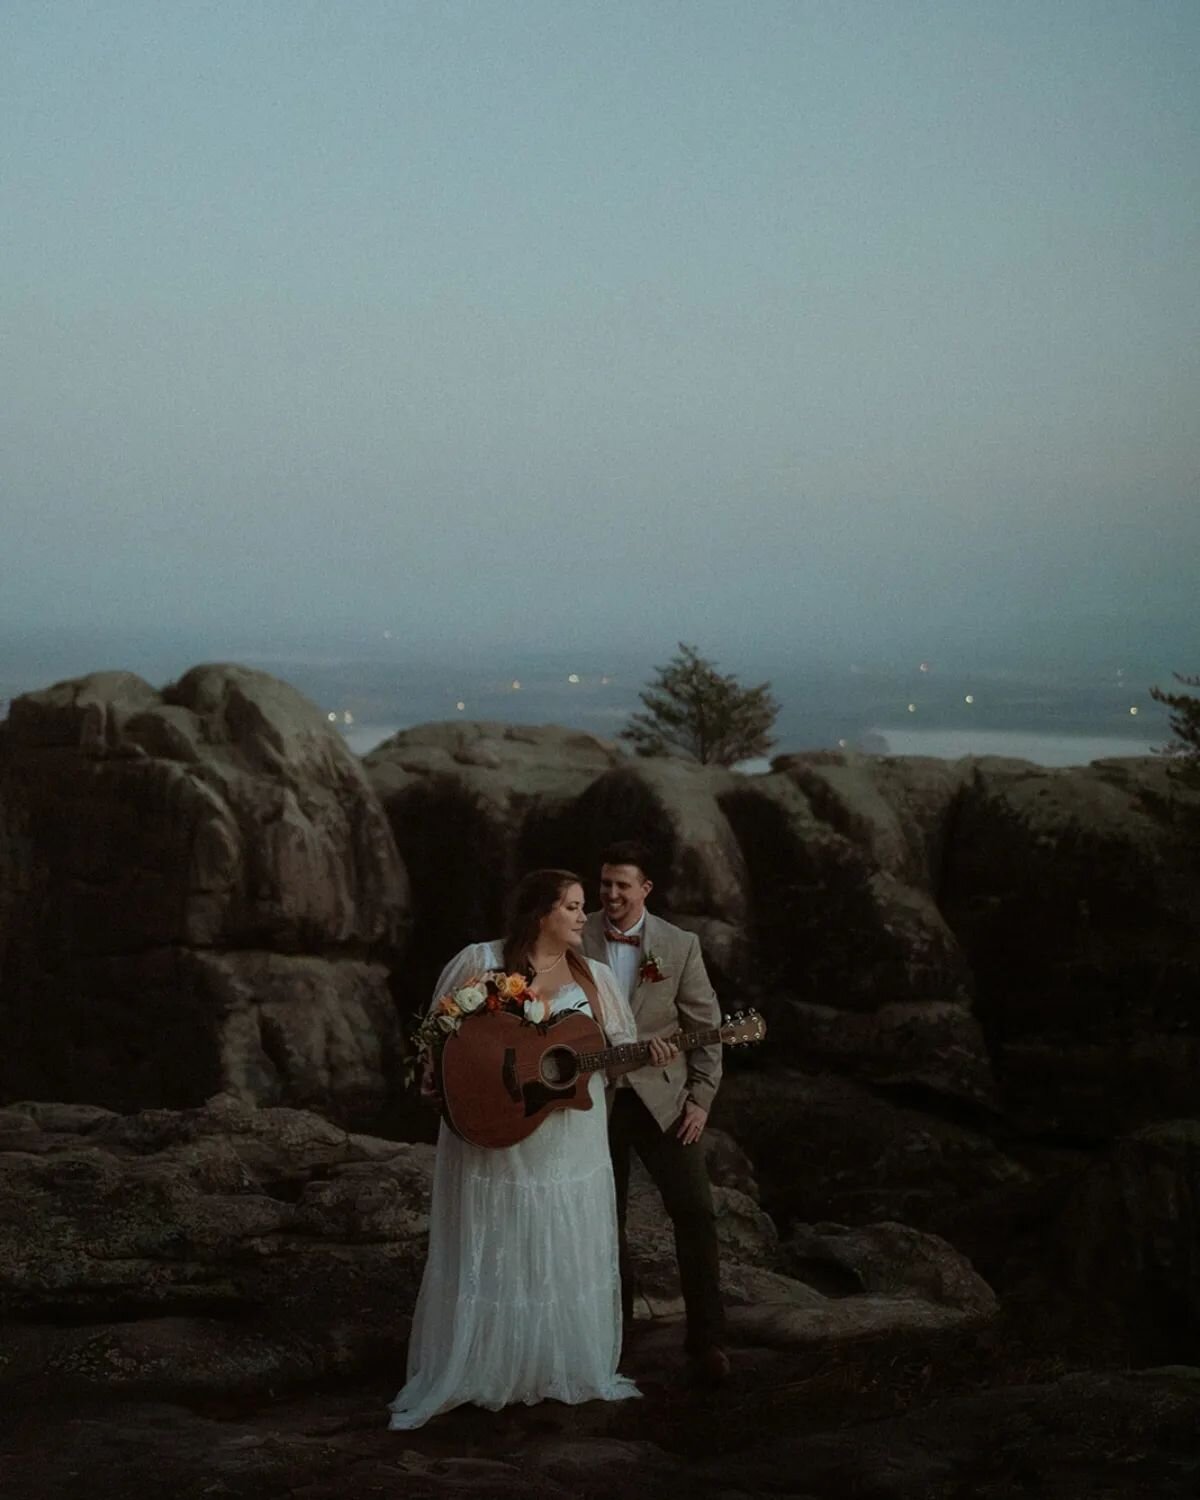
pixel 971 1417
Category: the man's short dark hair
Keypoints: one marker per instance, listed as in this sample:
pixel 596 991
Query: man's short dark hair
pixel 629 852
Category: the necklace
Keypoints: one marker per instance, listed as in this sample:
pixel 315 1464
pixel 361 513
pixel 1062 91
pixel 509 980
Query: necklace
pixel 545 969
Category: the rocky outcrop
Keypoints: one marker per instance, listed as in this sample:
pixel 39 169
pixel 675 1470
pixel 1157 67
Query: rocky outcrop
pixel 861 972
pixel 1076 897
pixel 981 1071
pixel 828 1148
pixel 236 1250
pixel 976 975
pixel 979 977
pixel 811 888
pixel 1128 1244
pixel 826 1286
pixel 467 804
pixel 999 939
pixel 200 892
pixel 224 1249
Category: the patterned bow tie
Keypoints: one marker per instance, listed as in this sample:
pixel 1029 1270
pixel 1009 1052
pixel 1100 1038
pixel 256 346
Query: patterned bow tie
pixel 634 939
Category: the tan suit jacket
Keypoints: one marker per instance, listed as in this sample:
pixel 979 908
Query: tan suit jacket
pixel 682 1000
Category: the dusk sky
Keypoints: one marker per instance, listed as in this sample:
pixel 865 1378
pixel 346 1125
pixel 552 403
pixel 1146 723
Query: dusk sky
pixel 749 324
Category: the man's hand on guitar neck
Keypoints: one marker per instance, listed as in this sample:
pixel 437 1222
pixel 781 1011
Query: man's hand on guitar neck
pixel 662 1050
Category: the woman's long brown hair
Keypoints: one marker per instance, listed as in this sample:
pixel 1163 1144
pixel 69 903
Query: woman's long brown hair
pixel 534 898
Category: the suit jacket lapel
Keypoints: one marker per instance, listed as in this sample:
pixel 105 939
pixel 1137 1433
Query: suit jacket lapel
pixel 656 939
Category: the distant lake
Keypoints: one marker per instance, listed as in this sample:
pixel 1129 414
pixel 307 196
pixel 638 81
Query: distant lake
pixel 364 737
pixel 1042 749
pixel 943 744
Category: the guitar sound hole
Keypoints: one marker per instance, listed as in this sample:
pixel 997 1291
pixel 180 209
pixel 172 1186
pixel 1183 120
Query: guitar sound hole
pixel 558 1067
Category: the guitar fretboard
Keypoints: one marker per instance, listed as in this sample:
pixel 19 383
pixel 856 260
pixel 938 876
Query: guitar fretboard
pixel 637 1052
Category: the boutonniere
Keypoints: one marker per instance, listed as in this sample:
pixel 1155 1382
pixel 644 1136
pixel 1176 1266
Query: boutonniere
pixel 652 971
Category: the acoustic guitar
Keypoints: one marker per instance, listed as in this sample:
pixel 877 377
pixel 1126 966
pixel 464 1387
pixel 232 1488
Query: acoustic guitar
pixel 501 1076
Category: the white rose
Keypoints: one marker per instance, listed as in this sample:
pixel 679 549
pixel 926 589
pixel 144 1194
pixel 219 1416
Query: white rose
pixel 535 1011
pixel 470 998
pixel 448 1023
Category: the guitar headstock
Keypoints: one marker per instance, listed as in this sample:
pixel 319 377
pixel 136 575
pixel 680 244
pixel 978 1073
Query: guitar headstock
pixel 742 1028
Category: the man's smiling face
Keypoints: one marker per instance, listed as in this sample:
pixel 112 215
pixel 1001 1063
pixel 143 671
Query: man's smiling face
pixel 623 892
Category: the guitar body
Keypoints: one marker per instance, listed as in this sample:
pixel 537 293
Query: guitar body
pixel 501 1077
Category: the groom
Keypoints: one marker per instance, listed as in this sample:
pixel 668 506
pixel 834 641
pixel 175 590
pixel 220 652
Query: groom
pixel 661 1112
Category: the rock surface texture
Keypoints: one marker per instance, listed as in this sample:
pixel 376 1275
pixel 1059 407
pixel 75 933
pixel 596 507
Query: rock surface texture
pixel 957 1189
pixel 981 977
pixel 198 892
pixel 239 1250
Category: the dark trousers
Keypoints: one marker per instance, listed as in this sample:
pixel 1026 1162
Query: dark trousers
pixel 681 1177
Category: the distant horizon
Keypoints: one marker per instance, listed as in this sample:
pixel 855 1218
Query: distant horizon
pixel 366 680
pixel 1163 643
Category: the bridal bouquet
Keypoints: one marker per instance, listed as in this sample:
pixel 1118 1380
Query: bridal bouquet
pixel 492 990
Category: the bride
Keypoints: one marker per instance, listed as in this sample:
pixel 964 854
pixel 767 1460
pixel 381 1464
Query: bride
pixel 521 1297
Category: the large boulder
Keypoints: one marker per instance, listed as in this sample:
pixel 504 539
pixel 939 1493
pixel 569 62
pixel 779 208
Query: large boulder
pixel 200 892
pixel 862 974
pixel 1076 897
pixel 890 1260
pixel 474 806
pixel 224 1249
pixel 828 1148
pixel 237 1250
pixel 672 806
pixel 465 802
pixel 828 1285
pixel 1128 1246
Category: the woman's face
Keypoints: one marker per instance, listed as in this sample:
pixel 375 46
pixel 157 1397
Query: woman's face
pixel 562 926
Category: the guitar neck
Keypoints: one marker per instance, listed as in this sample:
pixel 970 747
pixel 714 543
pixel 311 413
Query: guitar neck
pixel 638 1052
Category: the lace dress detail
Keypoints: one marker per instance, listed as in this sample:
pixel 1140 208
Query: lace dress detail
pixel 521 1297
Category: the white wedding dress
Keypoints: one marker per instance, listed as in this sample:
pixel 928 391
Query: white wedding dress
pixel 521 1296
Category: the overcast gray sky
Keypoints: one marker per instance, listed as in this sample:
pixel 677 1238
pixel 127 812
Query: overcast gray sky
pixel 544 320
